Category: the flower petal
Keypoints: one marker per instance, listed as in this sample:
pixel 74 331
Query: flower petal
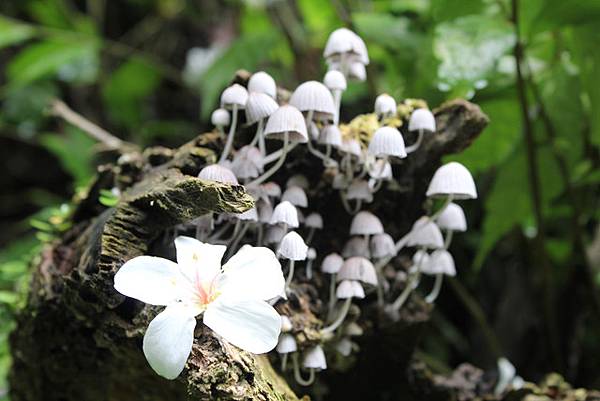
pixel 168 341
pixel 153 280
pixel 197 260
pixel 252 273
pixel 251 325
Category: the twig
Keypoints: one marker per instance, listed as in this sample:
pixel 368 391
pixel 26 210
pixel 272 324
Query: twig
pixel 536 192
pixel 59 109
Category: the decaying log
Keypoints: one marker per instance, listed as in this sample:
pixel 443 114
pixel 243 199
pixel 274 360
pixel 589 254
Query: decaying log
pixel 78 339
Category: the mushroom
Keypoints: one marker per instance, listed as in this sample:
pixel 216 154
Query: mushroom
pixel 234 98
pixel 285 213
pixel 335 81
pixel 314 359
pixel 296 196
pixel 332 264
pixel 356 246
pixel 285 346
pixel 217 173
pixel 451 181
pixel 311 255
pixel 298 180
pixel 247 163
pixel 440 263
pixel 365 223
pixel 262 82
pixel 220 118
pixel 451 219
pixel 421 120
pixel 385 106
pixel 313 221
pixel 286 123
pixel 293 248
pixel 346 290
pixel 258 108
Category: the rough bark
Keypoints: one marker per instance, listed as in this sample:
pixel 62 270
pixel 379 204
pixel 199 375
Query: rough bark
pixel 78 339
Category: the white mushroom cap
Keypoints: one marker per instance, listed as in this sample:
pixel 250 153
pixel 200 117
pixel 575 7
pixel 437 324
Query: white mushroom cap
pixel 292 247
pixel 382 245
pixel 425 233
pixel 381 170
pixel 359 189
pixel 452 179
pixel 265 211
pixel 300 216
pixel 286 324
pixel 421 119
pixel 365 223
pixel 358 268
pixel 452 218
pixel 248 215
pixel 314 220
pixel 271 189
pixel 335 80
pixel 420 256
pixel 274 234
pixel 236 95
pixel 351 146
pixel 314 96
pixel 353 329
pixel 247 162
pixel 356 246
pixel 311 254
pixel 218 173
pixel 331 135
pixel 440 261
pixel 286 344
pixel 263 83
pixel 357 71
pixel 340 181
pixel 349 289
pixel 296 196
pixel 287 119
pixel 220 118
pixel 387 141
pixel 343 40
pixel 314 358
pixel 298 180
pixel 285 213
pixel 385 105
pixel 332 263
pixel 259 106
pixel 344 346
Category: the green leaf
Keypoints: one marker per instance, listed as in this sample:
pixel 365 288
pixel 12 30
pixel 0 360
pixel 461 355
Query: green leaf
pixel 384 29
pixel 557 13
pixel 469 49
pixel 126 89
pixel 12 33
pixel 46 58
pixel 75 151
pixel 499 138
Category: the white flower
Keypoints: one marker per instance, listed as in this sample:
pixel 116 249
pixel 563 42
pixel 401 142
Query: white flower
pixel 231 297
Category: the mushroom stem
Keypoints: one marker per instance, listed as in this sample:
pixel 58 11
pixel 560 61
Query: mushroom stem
pixel 259 132
pixel 309 269
pixel 310 235
pixel 380 278
pixel 284 359
pixel 220 232
pixel 290 276
pixel 332 296
pixel 316 152
pixel 276 166
pixel 448 239
pixel 298 375
pixel 259 235
pixel 417 144
pixel 340 319
pixel 231 134
pixel 351 210
pixel 409 286
pixel 437 286
pixel 447 201
pixel 337 99
pixel 235 242
pixel 271 157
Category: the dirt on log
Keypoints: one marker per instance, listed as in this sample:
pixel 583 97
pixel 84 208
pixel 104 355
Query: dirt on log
pixel 78 339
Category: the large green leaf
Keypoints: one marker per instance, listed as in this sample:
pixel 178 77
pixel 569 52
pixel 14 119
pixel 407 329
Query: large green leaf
pixel 12 32
pixel 469 48
pixel 48 57
pixel 498 140
pixel 126 89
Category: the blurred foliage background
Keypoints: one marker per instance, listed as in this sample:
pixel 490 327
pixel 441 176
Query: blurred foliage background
pixel 151 71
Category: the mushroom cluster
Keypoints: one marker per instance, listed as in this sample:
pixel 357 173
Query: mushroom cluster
pixel 284 220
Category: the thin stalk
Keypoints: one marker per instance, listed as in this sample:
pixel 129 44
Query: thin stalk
pixel 332 296
pixel 311 234
pixel 276 166
pixel 409 286
pixel 284 359
pixel 448 239
pixel 290 275
pixel 437 286
pixel 231 248
pixel 417 144
pixel 340 319
pixel 337 99
pixel 232 127
pixel 309 269
pixel 298 376
pixel 536 193
pixel 258 134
